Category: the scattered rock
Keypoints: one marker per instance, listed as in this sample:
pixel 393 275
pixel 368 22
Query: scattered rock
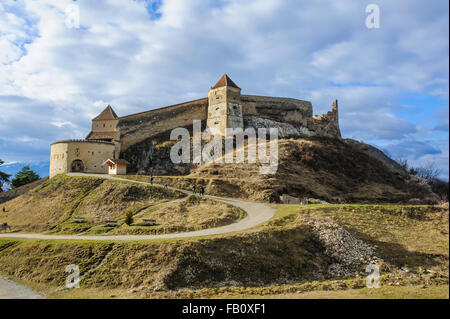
pixel 350 255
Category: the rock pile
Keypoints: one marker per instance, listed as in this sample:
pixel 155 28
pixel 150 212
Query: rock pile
pixel 350 255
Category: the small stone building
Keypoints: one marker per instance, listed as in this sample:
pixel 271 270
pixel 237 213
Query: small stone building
pixel 288 199
pixel 116 166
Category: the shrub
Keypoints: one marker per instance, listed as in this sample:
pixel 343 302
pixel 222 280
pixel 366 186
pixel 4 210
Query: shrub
pixel 129 218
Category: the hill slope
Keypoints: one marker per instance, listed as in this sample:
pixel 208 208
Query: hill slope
pixel 15 192
pixel 317 247
pixel 334 170
pixel 53 205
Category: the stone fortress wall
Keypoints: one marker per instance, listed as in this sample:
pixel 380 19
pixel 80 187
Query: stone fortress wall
pixel 112 136
pixel 287 114
pixel 138 127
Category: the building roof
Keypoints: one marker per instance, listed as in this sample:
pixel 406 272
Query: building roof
pixel 107 114
pixel 174 106
pixel 82 141
pixel 101 135
pixel 225 81
pixel 115 161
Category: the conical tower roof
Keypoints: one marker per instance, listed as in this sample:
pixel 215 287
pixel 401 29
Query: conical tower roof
pixel 225 81
pixel 107 114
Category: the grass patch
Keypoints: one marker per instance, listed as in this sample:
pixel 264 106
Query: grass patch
pixel 276 260
pixel 409 236
pixel 53 205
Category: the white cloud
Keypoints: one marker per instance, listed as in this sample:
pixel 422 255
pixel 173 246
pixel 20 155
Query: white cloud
pixel 123 56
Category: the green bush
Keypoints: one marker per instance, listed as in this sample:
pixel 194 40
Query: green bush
pixel 129 218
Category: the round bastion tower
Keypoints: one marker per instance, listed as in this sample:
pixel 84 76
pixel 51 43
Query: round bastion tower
pixel 88 155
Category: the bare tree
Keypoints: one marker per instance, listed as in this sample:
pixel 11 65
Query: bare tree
pixel 429 172
pixel 403 162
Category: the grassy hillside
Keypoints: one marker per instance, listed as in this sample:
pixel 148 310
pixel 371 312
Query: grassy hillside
pixel 328 169
pixel 15 192
pixel 406 236
pixel 288 257
pixel 54 204
pixel 189 214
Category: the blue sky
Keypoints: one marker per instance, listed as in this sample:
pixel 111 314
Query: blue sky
pixel 391 82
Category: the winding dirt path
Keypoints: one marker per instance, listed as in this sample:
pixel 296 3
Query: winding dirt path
pixel 257 213
pixel 11 290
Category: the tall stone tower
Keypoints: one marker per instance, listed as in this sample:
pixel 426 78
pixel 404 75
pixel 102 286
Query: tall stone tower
pixel 224 106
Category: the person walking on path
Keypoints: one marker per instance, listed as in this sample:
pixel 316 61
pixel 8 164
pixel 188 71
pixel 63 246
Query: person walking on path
pixel 151 179
pixel 193 189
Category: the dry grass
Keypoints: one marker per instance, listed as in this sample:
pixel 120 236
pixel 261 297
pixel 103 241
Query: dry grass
pixel 415 237
pixel 15 192
pixel 277 259
pixel 399 292
pixel 53 205
pixel 191 214
pixel 252 264
pixel 320 168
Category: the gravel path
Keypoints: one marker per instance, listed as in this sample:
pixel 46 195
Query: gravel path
pixel 257 213
pixel 11 290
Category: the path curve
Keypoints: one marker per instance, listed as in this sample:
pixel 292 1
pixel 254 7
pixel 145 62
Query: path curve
pixel 257 213
pixel 11 290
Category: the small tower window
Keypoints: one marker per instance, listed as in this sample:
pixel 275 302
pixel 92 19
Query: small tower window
pixel 104 125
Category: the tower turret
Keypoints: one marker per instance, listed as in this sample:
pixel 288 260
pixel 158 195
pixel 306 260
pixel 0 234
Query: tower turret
pixel 224 106
pixel 104 128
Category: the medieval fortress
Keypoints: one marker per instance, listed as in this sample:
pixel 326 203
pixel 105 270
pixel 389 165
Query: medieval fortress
pixel 114 139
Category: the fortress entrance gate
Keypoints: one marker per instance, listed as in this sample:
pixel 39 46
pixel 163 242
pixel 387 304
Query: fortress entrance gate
pixel 77 166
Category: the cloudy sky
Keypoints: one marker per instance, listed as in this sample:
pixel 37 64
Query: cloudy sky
pixel 391 81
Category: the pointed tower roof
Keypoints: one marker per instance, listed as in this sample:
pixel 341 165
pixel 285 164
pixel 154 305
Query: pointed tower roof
pixel 225 81
pixel 107 114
